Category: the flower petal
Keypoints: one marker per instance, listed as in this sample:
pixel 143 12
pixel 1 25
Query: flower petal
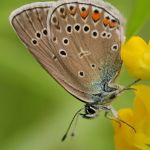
pixel 142 100
pixel 124 134
pixel 142 141
pixel 136 57
pixel 141 108
pixel 139 118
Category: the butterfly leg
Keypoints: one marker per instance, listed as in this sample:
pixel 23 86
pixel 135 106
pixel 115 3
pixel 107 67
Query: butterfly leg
pixel 112 118
pixel 116 118
pixel 121 89
pixel 128 87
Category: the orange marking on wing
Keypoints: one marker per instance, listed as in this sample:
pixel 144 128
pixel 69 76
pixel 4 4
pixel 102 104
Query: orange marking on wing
pixel 84 14
pixel 96 16
pixel 112 24
pixel 106 22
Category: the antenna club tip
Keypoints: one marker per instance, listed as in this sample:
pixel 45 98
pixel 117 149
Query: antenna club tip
pixel 64 137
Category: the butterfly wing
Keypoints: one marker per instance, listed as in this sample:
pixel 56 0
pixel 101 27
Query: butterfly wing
pixel 77 60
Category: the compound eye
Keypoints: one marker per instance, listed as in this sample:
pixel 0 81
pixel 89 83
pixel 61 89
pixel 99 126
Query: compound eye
pixel 91 110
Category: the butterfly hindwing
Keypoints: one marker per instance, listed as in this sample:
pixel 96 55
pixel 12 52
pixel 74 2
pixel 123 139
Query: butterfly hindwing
pixel 87 40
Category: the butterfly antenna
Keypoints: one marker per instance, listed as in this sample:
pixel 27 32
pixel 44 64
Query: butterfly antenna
pixel 76 115
pixel 75 125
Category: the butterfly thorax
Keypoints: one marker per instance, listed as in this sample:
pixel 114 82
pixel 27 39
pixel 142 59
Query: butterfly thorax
pixel 107 93
pixel 101 102
pixel 92 110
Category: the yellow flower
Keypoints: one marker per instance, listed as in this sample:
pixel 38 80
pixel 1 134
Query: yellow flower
pixel 136 57
pixel 139 118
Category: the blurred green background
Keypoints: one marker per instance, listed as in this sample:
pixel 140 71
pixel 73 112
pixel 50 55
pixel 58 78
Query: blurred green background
pixel 34 110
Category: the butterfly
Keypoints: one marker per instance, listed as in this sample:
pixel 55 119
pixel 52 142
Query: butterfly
pixel 78 43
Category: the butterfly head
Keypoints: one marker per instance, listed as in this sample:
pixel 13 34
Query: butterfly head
pixel 93 110
pixel 90 112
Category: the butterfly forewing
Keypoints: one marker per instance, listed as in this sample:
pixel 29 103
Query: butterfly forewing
pixel 30 24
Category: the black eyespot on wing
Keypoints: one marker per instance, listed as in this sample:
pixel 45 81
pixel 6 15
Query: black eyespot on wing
pixel 104 34
pixel 69 29
pixel 45 31
pixel 93 66
pixel 114 47
pixel 65 41
pixel 95 33
pixel 62 10
pixel 86 28
pixel 54 19
pixel 34 42
pixel 114 21
pixel 83 9
pixel 81 74
pixel 63 53
pixel 38 34
pixel 109 35
pixel 96 11
pixel 71 8
pixel 77 27
pixel 107 17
